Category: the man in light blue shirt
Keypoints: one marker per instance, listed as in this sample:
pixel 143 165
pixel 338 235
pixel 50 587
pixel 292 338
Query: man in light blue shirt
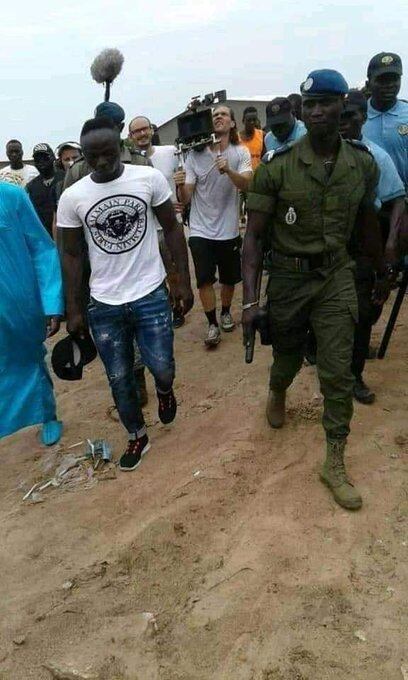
pixel 391 195
pixel 387 116
pixel 283 125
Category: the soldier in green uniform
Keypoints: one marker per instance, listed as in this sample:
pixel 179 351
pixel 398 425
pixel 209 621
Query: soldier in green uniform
pixel 303 201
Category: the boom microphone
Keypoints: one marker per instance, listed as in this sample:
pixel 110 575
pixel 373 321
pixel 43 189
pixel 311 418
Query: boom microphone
pixel 106 67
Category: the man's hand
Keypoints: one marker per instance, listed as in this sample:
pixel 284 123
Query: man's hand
pixel 178 207
pixel 249 322
pixel 186 295
pixel 381 291
pixel 391 251
pixel 402 235
pixel 76 325
pixel 222 164
pixel 179 178
pixel 53 325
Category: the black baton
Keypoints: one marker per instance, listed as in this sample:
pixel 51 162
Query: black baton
pixel 402 288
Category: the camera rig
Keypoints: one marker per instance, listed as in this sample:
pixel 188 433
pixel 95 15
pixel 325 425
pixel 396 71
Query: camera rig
pixel 195 125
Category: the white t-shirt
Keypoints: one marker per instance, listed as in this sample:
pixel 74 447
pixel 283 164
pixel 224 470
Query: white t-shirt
pixel 214 210
pixel 22 176
pixel 164 159
pixel 120 231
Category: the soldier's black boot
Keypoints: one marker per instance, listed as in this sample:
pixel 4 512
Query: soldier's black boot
pixel 275 408
pixel 333 474
pixel 141 386
pixel 362 392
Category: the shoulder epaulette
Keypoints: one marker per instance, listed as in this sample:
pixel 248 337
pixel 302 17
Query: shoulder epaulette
pixel 269 155
pixel 359 145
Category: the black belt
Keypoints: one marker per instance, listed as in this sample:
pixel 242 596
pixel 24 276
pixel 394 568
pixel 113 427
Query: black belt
pixel 304 264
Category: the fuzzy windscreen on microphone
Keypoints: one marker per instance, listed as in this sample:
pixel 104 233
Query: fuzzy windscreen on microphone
pixel 107 65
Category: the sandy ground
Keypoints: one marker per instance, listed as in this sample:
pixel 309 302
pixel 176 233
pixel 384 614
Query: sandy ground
pixel 222 557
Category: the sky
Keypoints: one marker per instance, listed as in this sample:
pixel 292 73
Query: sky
pixel 176 50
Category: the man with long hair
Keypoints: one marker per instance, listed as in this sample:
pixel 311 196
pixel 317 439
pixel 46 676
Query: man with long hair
pixel 211 180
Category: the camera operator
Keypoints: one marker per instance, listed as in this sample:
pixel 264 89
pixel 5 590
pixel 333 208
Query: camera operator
pixel 211 180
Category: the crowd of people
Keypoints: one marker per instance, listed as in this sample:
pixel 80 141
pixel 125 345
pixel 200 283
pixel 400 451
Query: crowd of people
pixel 323 186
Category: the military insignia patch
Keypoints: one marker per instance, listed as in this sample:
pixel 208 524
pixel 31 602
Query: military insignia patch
pixel 387 60
pixel 403 129
pixel 308 84
pixel 290 217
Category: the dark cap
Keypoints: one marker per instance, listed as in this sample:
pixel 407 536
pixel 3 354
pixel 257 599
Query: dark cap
pixel 110 110
pixel 70 355
pixel 43 148
pixel 278 110
pixel 385 62
pixel 324 82
pixel 355 101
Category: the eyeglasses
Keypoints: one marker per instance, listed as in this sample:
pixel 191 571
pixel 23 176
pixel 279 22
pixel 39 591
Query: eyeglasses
pixel 132 133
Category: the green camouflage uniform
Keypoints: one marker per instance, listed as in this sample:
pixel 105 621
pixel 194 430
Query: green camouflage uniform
pixel 312 216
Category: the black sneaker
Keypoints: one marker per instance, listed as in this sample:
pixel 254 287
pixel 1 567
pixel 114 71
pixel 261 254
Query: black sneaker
pixel 178 317
pixel 167 407
pixel 362 392
pixel 134 453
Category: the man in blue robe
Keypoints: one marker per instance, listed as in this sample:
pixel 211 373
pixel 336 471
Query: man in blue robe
pixel 31 300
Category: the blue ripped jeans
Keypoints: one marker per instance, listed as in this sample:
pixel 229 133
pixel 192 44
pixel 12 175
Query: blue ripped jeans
pixel 114 329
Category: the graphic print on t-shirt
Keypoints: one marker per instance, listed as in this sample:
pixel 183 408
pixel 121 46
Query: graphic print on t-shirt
pixel 117 224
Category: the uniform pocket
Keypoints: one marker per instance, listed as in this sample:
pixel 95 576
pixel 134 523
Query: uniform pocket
pixel 294 208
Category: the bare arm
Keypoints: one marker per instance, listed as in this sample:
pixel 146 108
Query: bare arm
pixel 240 180
pixel 174 235
pixel 252 257
pixel 371 238
pixel 252 253
pixel 54 227
pixel 184 191
pixel 372 248
pixel 71 247
pixel 398 209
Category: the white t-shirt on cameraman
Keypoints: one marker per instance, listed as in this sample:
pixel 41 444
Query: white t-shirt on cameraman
pixel 120 230
pixel 214 210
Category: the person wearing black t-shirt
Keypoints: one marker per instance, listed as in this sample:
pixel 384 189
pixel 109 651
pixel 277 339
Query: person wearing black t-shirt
pixel 41 189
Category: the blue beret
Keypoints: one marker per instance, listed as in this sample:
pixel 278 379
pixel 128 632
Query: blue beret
pixel 110 110
pixel 322 82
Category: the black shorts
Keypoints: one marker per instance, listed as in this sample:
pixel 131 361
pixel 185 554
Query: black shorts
pixel 208 255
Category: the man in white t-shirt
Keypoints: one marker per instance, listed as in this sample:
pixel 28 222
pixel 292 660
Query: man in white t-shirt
pixel 17 172
pixel 114 208
pixel 211 181
pixel 164 159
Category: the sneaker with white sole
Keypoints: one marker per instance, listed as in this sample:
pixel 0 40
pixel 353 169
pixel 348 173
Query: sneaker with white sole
pixel 227 322
pixel 134 453
pixel 213 336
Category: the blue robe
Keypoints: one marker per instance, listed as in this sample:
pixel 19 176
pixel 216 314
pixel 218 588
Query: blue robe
pixel 30 289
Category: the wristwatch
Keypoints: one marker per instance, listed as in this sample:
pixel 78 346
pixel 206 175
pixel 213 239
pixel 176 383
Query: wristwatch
pixel 248 305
